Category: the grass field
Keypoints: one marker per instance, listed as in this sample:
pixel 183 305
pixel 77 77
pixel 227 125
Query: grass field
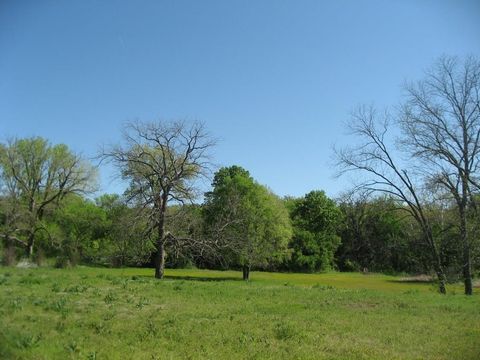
pixel 93 313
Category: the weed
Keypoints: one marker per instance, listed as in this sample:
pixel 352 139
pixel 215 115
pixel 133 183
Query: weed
pixel 151 328
pixel 284 331
pixel 110 298
pixel 80 288
pixel 30 280
pixel 27 341
pixel 322 287
pixel 16 304
pixel 115 281
pixel 142 302
pixel 58 305
pixel 72 347
pixel 60 326
pixel 108 316
pixel 39 302
pixel 99 327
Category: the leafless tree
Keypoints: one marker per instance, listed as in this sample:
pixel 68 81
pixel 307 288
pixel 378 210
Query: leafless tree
pixel 383 173
pixel 441 124
pixel 162 161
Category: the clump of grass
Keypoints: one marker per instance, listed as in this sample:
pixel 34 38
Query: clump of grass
pixel 411 292
pixel 115 281
pixel 246 338
pixel 80 288
pixel 284 331
pixel 110 298
pixel 124 284
pixel 142 302
pixel 323 287
pixel 99 327
pixel 16 303
pixel 58 305
pixel 30 280
pixel 60 326
pixel 72 347
pixel 39 302
pixel 26 341
pixel 152 328
pixel 96 291
pixel 109 316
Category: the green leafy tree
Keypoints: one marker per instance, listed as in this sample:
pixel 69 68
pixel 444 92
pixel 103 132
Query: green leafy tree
pixel 315 220
pixel 84 226
pixel 377 236
pixel 36 176
pixel 248 219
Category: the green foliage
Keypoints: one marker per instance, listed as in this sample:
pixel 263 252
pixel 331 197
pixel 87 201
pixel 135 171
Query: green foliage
pixel 249 219
pixel 35 178
pixel 315 220
pixel 84 225
pixel 377 236
pixel 214 316
pixel 126 238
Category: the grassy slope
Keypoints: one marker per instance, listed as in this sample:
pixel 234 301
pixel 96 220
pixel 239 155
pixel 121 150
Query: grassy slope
pixel 120 314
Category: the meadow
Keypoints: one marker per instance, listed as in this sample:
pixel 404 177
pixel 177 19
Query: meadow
pixel 97 313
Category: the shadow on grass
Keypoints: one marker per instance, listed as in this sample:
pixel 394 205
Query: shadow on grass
pixel 202 278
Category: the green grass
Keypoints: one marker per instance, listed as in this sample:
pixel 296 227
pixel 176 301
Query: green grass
pixel 92 313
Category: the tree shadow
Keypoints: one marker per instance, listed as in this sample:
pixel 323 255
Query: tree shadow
pixel 203 278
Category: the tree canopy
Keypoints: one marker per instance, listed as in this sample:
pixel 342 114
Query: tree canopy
pixel 315 220
pixel 249 219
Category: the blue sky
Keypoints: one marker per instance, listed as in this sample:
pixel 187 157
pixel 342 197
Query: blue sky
pixel 273 80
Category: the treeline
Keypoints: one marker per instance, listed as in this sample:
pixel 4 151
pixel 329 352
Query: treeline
pixel 414 207
pixel 260 230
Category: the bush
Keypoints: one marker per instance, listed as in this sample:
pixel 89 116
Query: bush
pixel 62 262
pixel 350 265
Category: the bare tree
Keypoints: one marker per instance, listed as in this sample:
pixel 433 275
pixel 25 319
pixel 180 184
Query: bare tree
pixel 374 158
pixel 162 161
pixel 441 123
pixel 34 175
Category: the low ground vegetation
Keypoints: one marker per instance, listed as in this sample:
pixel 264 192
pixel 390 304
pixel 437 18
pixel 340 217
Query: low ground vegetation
pixel 97 313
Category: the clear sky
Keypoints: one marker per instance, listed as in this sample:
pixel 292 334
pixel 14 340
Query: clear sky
pixel 273 80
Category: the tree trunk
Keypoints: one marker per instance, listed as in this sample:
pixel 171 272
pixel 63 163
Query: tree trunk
pixel 442 278
pixel 29 248
pixel 160 255
pixel 160 260
pixel 466 268
pixel 246 272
